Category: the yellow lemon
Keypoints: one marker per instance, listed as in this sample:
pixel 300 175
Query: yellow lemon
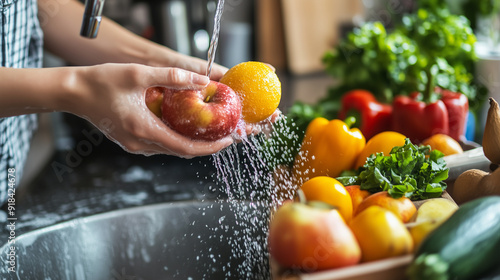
pixel 258 87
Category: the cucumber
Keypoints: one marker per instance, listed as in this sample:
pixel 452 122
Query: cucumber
pixel 465 246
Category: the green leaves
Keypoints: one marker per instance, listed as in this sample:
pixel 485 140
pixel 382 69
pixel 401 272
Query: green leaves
pixel 409 170
pixel 430 44
pixel 363 60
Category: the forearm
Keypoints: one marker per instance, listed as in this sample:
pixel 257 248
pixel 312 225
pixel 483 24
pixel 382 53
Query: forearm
pixel 61 24
pixel 25 91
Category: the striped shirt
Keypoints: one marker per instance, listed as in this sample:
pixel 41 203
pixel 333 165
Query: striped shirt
pixel 21 43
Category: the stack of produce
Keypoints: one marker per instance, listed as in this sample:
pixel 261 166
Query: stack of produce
pixel 371 214
pixel 368 170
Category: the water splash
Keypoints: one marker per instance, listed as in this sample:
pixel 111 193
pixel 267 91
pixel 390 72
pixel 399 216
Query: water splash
pixel 254 171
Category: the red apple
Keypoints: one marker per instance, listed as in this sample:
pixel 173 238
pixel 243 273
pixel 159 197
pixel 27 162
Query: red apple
pixel 311 238
pixel 209 114
pixel 154 99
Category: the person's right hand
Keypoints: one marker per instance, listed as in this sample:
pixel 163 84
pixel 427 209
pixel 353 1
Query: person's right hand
pixel 111 96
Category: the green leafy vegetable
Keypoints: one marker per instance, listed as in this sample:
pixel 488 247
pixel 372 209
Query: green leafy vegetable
pixel 430 45
pixel 412 171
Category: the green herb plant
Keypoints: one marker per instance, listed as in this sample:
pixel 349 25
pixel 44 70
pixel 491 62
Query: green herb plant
pixel 429 47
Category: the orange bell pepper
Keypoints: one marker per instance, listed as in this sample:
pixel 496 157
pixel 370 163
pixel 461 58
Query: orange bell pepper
pixel 328 148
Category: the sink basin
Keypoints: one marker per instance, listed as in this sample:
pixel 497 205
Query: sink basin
pixel 182 240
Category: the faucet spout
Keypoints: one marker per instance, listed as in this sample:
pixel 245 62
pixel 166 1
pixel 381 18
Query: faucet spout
pixel 91 18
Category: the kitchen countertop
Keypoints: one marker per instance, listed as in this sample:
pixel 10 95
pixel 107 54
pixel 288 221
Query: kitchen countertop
pixel 110 178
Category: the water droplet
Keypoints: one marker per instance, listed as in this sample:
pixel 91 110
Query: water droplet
pixel 221 219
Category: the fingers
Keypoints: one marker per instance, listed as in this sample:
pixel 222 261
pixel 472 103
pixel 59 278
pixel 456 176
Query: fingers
pixel 275 116
pixel 156 137
pixel 146 134
pixel 270 66
pixel 199 66
pixel 177 78
pixel 217 72
pixel 266 126
pixel 185 148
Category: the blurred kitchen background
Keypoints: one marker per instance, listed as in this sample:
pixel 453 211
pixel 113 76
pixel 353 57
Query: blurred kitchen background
pixel 292 35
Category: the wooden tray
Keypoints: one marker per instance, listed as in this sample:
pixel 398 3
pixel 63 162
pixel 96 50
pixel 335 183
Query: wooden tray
pixel 387 269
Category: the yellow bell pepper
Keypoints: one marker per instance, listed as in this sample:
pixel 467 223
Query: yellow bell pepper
pixel 328 148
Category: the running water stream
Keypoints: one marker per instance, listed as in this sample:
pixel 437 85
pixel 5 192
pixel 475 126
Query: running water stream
pixel 215 36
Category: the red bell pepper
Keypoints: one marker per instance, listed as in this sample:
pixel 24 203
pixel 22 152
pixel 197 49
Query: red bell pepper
pixel 457 105
pixel 419 120
pixel 372 117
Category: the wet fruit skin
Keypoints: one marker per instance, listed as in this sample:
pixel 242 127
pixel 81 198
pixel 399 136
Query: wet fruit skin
pixel 258 87
pixel 154 99
pixel 402 207
pixel 208 114
pixel 310 239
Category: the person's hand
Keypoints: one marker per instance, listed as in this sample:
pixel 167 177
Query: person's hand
pixel 111 96
pixel 265 126
pixel 170 58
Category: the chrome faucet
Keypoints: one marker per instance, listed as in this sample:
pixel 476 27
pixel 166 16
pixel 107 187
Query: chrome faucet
pixel 91 18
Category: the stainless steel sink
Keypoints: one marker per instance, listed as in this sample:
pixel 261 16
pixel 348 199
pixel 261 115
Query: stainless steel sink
pixel 182 240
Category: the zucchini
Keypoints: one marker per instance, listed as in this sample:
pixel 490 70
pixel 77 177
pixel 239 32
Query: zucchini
pixel 465 246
